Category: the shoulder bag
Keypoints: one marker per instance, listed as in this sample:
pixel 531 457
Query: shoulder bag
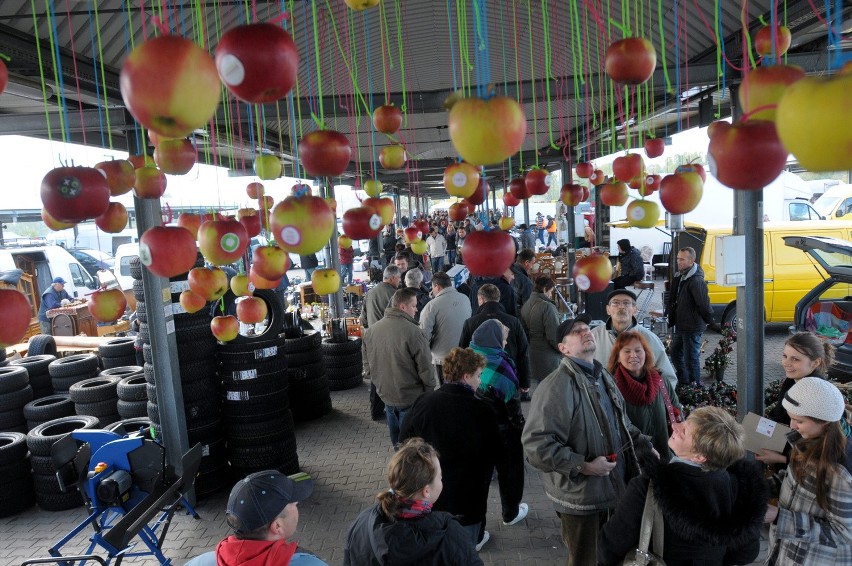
pixel 652 523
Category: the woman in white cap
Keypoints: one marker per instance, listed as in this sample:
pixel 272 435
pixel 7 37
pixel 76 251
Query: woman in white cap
pixel 812 523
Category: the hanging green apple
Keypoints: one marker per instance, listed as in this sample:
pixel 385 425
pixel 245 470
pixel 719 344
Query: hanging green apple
pixel 487 132
pixel 359 5
pixel 643 213
pixel 241 285
pixel 461 179
pixel 745 155
pixel 302 224
pixel 393 157
pixel 17 313
pixel 268 167
pixel 419 247
pixel 325 281
pixel 107 305
pixel 170 85
pixel 167 251
pixel 506 223
pixel 373 188
pixel 222 241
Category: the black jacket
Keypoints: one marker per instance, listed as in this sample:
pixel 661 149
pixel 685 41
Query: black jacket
pixel 436 538
pixel 516 346
pixel 711 518
pixel 507 293
pixel 689 303
pixel 422 298
pixel 522 285
pixel 632 264
pixel 464 431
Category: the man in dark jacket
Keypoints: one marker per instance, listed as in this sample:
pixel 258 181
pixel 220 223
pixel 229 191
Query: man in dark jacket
pixel 689 314
pixel 632 265
pixel 521 282
pixel 51 299
pixel 504 287
pixel 516 346
pixel 414 280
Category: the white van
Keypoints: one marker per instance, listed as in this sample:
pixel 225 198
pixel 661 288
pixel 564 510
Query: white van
pixel 121 266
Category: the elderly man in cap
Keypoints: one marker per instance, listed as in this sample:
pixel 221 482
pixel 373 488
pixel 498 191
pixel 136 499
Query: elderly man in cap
pixel 262 510
pixel 51 299
pixel 578 434
pixel 621 308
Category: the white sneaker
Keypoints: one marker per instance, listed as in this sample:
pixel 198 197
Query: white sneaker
pixel 523 509
pixel 485 538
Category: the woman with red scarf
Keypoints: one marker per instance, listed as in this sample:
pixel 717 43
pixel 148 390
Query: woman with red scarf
pixel 651 402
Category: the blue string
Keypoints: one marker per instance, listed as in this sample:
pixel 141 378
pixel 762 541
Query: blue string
pixel 95 72
pixel 366 19
pixel 64 102
pixel 503 52
pixel 452 46
pixel 291 106
pixel 310 81
pixel 837 57
pixel 721 41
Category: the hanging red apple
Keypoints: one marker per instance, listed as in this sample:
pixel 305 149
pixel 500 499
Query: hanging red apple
pixel 167 251
pixel 225 328
pixel 120 175
pixel 585 169
pixel 384 206
pixel 258 282
pixel 651 184
pixel 509 200
pixel 250 220
pixel 393 157
pixel 107 305
pixel 487 132
pixel 325 281
pixel 4 76
pixel 257 62
pixel 696 168
pixel 458 211
pixel 150 183
pixel 681 192
pixel 489 254
pixel 592 273
pixel 461 179
pixel 175 156
pixel 654 147
pixel 597 177
pixel 191 302
pixel 630 61
pixel 387 119
pixel 209 283
pixel 254 190
pixel 518 188
pixel 17 314
pixel 190 221
pixel 53 223
pixel 614 193
pixel 170 85
pixel 251 310
pixel 74 194
pixel 537 181
pixel 325 153
pixel 141 161
pixel 479 195
pixel 423 226
pixel 627 167
pixel 222 241
pixel 764 87
pixel 361 223
pixel 411 234
pixel 114 220
pixel 763 40
pixel 571 194
pixel 270 262
pixel 745 155
pixel 303 224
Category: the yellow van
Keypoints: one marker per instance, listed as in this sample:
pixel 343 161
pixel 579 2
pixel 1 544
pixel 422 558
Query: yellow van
pixel 835 203
pixel 789 273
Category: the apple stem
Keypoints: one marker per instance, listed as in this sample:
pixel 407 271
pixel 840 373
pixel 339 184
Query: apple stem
pixel 5 57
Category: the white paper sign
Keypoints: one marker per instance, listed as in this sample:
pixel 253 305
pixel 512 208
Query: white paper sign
pixel 765 427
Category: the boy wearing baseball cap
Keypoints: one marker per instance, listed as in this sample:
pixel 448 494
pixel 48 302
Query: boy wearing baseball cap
pixel 262 510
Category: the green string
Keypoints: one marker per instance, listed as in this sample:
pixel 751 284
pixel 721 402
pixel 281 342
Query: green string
pixel 352 74
pixel 669 88
pixel 532 79
pixel 60 97
pixel 103 76
pixel 503 60
pixel 41 73
pixel 461 24
pixel 402 107
pixel 718 31
pixel 577 61
pixel 383 40
pixel 321 121
pixel 517 74
pixel 548 70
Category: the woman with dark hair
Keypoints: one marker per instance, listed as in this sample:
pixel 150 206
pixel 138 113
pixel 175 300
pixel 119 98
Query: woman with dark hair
pixel 711 499
pixel 650 400
pixel 464 430
pixel 804 355
pixel 403 528
pixel 541 319
pixel 812 524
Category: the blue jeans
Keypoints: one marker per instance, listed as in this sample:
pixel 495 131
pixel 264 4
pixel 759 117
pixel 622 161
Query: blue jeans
pixel 451 258
pixel 437 264
pixel 551 237
pixel 541 236
pixel 686 352
pixel 395 417
pixel 346 273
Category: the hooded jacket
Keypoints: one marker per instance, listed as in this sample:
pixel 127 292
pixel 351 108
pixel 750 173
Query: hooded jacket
pixel 689 302
pixel 711 517
pixel 232 551
pixel 632 264
pixel 516 346
pixel 436 538
pixel 541 319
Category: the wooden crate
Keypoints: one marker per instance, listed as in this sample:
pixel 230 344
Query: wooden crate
pixel 353 326
pixel 307 295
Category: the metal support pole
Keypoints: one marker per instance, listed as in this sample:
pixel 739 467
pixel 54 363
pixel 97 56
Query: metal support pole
pixel 409 204
pixel 570 254
pixel 526 211
pixel 397 209
pixel 335 301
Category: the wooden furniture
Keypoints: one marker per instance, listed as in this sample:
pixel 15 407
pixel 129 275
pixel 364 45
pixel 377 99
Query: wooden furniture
pixel 72 320
pixel 307 295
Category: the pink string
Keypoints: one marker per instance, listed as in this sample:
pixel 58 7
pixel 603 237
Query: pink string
pixel 76 74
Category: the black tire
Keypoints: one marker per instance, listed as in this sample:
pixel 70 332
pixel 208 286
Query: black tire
pixel 143 333
pixel 128 426
pixel 345 361
pixel 200 390
pixel 49 408
pixel 135 267
pixel 153 412
pixel 265 456
pixel 305 373
pixel 59 501
pixel 117 348
pixel 729 316
pixel 205 431
pixel 199 331
pixel 41 344
pixel 74 365
pixel 258 350
pixel 14 470
pixel 99 409
pixel 234 373
pixel 97 389
pixel 343 372
pixel 310 341
pixel 16 399
pixel 41 438
pixel 256 434
pixel 13 378
pixel 16 495
pixel 275 323
pixel 13 420
pixel 151 391
pixel 299 359
pixel 251 388
pixel 111 363
pixel 123 372
pixel 132 388
pixel 341 348
pixel 63 384
pixel 36 365
pixel 201 350
pixel 346 383
pixel 42 465
pixel 13 447
pixel 201 410
pixel 198 370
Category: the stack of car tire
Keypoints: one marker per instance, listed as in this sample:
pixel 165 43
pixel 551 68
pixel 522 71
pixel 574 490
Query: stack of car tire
pixel 258 422
pixel 343 366
pixel 15 392
pixel 48 408
pixel 199 381
pixel 118 352
pixel 97 397
pixel 16 483
pixel 65 372
pixel 37 368
pixel 49 495
pixel 132 391
pixel 309 389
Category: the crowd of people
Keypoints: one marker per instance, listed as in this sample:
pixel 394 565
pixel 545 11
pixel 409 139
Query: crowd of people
pixel 450 365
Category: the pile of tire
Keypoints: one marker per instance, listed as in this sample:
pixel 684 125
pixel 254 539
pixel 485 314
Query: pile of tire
pixel 37 368
pixel 16 483
pixel 310 397
pixel 48 408
pixel 3 361
pixel 65 372
pixel 199 381
pixel 343 365
pixel 49 496
pixel 129 426
pixel 41 344
pixel 15 392
pixel 132 391
pixel 97 397
pixel 118 352
pixel 258 423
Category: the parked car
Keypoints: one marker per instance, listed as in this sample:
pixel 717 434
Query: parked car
pixel 92 260
pixel 820 310
pixel 121 266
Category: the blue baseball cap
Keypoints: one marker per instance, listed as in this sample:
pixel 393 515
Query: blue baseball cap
pixel 59 280
pixel 256 500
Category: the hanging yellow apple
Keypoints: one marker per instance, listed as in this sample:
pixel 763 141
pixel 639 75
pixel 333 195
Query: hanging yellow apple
pixel 418 247
pixel 373 187
pixel 325 281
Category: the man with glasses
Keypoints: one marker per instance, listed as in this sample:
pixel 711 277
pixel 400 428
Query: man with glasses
pixel 578 434
pixel 689 314
pixel 621 308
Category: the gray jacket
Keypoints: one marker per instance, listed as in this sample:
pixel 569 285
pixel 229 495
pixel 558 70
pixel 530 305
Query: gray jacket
pixel 442 320
pixel 377 300
pixel 605 339
pixel 396 354
pixel 562 432
pixel 541 319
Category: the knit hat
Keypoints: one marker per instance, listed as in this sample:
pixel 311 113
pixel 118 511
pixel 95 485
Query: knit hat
pixel 624 244
pixel 566 326
pixel 816 398
pixel 257 499
pixel 489 334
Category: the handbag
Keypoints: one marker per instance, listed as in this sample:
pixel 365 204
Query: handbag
pixel 652 523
